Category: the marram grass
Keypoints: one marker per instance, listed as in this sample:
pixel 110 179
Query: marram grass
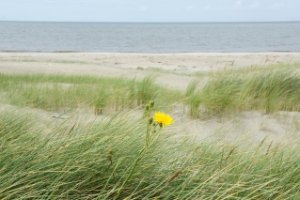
pixel 242 90
pixel 100 94
pixel 267 90
pixel 99 161
pixel 124 157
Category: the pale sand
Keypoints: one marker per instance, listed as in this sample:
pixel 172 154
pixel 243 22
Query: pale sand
pixel 173 70
pixel 245 130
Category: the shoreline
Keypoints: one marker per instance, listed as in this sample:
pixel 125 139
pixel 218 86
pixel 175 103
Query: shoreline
pixel 149 53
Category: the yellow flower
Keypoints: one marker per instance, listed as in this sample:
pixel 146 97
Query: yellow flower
pixel 163 119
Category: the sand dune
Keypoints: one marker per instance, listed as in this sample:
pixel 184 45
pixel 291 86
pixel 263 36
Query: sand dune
pixel 176 71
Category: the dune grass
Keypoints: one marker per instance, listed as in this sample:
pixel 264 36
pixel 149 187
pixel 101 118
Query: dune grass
pixel 107 159
pixel 268 90
pixel 71 92
pixel 95 161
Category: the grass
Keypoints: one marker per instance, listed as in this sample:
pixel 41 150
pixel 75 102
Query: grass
pixel 268 89
pixel 70 92
pixel 93 161
pixel 42 157
pixel 246 89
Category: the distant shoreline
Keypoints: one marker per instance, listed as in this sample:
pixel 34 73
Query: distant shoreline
pixel 154 22
pixel 158 53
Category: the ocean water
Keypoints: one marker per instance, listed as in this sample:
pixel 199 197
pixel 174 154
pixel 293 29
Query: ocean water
pixel 150 37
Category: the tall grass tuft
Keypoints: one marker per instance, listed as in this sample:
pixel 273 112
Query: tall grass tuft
pixel 146 91
pixel 68 92
pixel 269 91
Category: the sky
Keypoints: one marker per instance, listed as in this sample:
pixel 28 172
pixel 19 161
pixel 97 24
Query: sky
pixel 150 10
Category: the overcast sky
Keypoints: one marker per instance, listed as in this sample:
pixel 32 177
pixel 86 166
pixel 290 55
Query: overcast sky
pixel 150 10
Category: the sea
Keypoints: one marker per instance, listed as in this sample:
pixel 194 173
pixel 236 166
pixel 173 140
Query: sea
pixel 149 37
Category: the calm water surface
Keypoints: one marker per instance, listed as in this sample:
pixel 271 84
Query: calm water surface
pixel 150 38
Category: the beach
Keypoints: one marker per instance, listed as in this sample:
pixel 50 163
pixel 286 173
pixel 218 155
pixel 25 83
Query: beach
pixel 172 70
pixel 149 100
pixel 91 119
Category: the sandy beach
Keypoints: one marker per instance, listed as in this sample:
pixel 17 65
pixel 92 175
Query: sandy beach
pixel 172 70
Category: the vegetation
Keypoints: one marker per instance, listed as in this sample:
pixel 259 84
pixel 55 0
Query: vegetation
pixel 125 154
pixel 69 92
pixel 247 89
pixel 102 160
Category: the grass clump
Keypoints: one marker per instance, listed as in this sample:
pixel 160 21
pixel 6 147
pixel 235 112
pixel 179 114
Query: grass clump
pixel 276 90
pixel 71 92
pixel 95 161
pixel 193 99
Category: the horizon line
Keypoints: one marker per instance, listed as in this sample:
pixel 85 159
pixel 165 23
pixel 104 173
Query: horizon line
pixel 151 22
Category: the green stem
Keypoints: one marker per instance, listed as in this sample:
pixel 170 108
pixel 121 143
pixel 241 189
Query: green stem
pixel 131 171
